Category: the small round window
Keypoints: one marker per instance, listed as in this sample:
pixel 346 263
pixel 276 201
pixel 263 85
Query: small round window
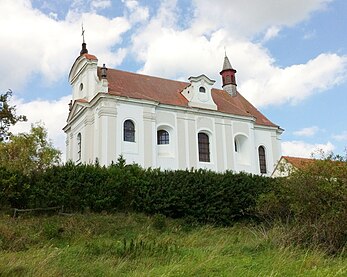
pixel 81 86
pixel 202 89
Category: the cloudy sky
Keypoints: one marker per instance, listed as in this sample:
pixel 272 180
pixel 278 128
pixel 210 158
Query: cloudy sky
pixel 290 56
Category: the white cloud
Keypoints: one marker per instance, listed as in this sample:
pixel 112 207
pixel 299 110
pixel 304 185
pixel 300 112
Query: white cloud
pixel 34 43
pixel 297 82
pixel 52 113
pixel 246 18
pixel 135 12
pixel 100 4
pixel 271 33
pixel 307 132
pixel 53 15
pixel 168 51
pixel 179 54
pixel 341 137
pixel 305 150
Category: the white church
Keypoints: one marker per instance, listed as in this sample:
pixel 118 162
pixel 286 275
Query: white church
pixel 166 124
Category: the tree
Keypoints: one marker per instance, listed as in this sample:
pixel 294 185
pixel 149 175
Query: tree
pixel 8 115
pixel 29 152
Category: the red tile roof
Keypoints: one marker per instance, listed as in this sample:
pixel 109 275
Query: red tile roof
pixel 90 57
pixel 297 162
pixel 164 91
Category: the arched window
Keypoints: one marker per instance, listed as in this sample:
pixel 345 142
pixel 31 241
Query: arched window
pixel 163 137
pixel 262 159
pixel 202 89
pixel 79 146
pixel 204 147
pixel 129 131
pixel 235 145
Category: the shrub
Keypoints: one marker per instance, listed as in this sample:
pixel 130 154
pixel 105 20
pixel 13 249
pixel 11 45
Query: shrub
pixel 14 188
pixel 206 196
pixel 313 201
pixel 200 195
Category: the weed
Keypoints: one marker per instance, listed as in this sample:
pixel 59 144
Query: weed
pixel 159 222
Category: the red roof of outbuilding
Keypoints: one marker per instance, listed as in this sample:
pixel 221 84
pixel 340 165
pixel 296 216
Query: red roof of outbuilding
pixel 164 91
pixel 299 162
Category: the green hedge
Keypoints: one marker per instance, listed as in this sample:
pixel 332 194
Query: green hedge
pixel 200 195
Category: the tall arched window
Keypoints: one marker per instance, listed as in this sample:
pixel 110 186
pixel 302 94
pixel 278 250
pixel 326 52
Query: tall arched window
pixel 163 137
pixel 262 159
pixel 79 146
pixel 204 147
pixel 129 131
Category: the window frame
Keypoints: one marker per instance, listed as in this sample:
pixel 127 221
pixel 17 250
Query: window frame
pixel 129 131
pixel 262 159
pixel 204 147
pixel 202 89
pixel 79 146
pixel 163 137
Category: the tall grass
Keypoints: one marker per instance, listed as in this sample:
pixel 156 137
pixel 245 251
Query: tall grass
pixel 137 245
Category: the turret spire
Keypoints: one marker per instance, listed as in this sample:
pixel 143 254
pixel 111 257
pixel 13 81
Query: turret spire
pixel 84 49
pixel 226 64
pixel 228 77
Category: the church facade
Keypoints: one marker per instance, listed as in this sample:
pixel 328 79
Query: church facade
pixel 157 122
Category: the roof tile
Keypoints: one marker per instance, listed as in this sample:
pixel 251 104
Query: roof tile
pixel 165 91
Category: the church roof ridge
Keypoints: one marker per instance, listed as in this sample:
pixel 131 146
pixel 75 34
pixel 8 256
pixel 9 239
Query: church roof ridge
pixel 168 91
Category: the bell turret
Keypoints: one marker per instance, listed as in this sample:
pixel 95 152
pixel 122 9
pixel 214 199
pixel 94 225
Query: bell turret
pixel 228 77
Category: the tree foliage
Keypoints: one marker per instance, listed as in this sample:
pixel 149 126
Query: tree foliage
pixel 29 152
pixel 8 115
pixel 312 203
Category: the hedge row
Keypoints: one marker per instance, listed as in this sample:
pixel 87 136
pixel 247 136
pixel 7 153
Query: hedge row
pixel 201 195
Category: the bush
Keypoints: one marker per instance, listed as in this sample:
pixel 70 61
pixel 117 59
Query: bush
pixel 313 201
pixel 14 188
pixel 200 195
pixel 206 196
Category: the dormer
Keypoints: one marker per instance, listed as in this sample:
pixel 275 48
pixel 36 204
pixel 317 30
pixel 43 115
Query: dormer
pixel 84 77
pixel 198 93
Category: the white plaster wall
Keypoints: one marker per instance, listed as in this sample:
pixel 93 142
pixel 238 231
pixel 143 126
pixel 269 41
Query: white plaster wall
pixel 102 137
pixel 78 127
pixel 133 152
pixel 84 72
pixel 265 137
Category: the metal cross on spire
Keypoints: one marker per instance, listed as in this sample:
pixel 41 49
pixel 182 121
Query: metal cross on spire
pixel 84 45
pixel 83 33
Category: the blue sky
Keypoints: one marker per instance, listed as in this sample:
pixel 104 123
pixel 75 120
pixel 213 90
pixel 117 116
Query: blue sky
pixel 290 56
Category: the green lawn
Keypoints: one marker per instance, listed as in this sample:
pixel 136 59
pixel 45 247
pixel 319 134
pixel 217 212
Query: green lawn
pixel 137 245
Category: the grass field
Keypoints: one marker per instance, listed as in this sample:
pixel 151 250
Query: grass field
pixel 137 245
